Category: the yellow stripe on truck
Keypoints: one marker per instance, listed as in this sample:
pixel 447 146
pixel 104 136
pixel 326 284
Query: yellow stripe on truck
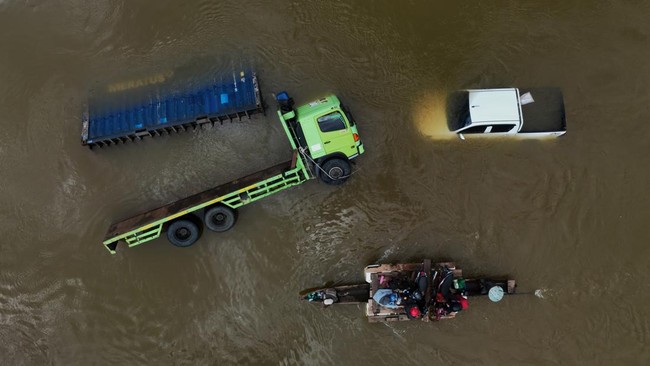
pixel 247 188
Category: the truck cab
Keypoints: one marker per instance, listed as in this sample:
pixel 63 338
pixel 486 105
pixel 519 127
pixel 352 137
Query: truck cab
pixel 506 112
pixel 325 133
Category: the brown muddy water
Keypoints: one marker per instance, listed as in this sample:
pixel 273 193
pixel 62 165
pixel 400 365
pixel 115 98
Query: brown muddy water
pixel 567 218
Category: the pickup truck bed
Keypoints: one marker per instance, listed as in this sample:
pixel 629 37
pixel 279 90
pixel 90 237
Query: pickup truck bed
pixel 546 114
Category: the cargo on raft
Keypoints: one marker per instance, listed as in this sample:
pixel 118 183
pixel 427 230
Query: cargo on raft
pixel 412 291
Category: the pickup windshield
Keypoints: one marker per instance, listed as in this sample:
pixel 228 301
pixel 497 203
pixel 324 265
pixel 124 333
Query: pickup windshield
pixel 458 110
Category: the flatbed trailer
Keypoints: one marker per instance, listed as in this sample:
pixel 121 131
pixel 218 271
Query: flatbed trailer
pixel 232 99
pixel 149 225
pixel 215 207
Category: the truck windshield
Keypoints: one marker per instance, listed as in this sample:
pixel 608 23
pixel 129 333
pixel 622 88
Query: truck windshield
pixel 331 122
pixel 458 110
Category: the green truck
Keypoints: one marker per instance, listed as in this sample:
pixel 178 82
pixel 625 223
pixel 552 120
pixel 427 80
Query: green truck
pixel 324 139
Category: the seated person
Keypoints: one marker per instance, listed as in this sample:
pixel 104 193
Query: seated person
pixel 456 304
pixel 453 306
pixel 388 298
pixel 445 287
pixel 413 311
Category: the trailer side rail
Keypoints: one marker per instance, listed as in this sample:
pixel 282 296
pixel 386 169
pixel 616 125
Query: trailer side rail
pixel 149 225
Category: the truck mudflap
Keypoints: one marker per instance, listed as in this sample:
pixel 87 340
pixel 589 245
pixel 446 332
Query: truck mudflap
pixel 236 97
pixel 149 225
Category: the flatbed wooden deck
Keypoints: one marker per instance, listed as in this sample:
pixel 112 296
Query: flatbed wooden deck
pixel 149 217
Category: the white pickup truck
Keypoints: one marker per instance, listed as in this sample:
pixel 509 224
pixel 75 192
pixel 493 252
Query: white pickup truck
pixel 537 112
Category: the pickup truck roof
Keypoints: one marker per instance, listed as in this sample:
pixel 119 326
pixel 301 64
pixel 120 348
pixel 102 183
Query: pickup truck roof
pixel 494 105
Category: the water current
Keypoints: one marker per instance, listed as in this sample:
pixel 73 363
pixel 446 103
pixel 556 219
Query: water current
pixel 565 217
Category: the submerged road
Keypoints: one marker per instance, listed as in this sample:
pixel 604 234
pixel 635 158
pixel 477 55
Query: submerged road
pixel 566 218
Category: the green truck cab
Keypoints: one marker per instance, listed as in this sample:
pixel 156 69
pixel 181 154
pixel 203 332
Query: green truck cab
pixel 325 133
pixel 324 140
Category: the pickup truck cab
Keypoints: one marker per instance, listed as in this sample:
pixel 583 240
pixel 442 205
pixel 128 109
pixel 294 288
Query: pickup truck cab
pixel 537 112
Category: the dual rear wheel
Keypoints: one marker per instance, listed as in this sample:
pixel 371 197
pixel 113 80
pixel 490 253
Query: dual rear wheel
pixel 335 171
pixel 186 231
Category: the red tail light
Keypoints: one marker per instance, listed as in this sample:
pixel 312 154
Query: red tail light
pixel 356 137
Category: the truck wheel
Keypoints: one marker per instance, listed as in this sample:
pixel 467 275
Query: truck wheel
pixel 335 171
pixel 183 233
pixel 220 218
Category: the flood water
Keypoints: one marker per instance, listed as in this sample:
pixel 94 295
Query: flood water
pixel 567 218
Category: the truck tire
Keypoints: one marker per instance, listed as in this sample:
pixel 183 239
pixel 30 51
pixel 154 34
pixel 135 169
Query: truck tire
pixel 335 171
pixel 220 218
pixel 183 233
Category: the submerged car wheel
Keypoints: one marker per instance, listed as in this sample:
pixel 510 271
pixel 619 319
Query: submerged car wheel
pixel 335 171
pixel 220 218
pixel 183 233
